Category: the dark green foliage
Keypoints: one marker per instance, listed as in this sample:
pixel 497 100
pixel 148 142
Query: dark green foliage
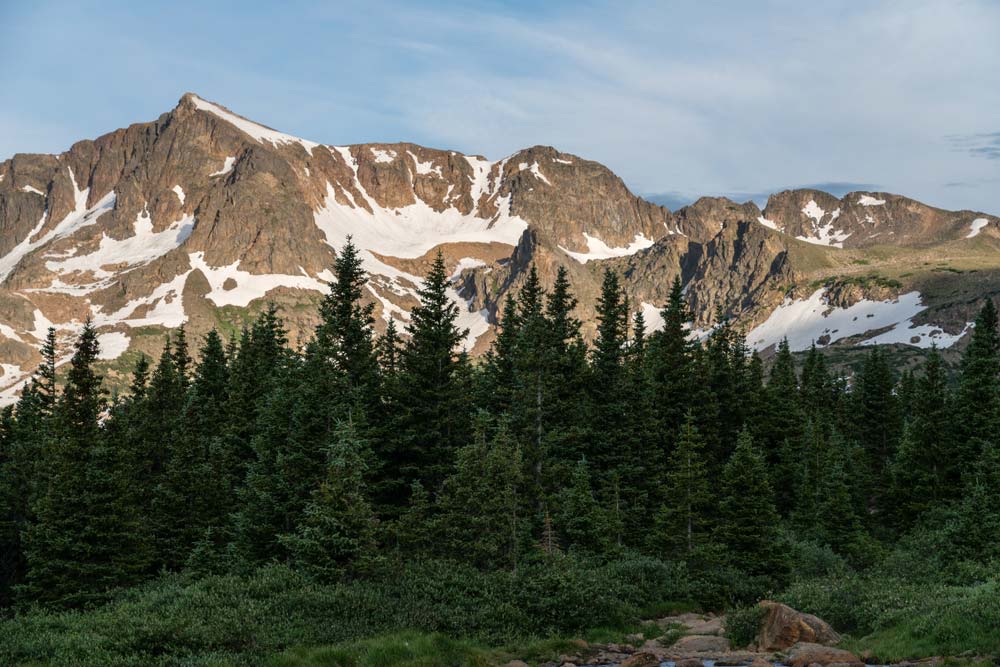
pixel 978 399
pixel 748 520
pixel 480 513
pixel 405 486
pixel 83 540
pixel 683 522
pixel 337 531
pixel 579 519
pixel 432 415
pixel 743 624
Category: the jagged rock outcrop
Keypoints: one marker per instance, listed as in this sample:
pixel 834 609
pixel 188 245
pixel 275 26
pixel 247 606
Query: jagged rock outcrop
pixel 201 215
pixel 782 627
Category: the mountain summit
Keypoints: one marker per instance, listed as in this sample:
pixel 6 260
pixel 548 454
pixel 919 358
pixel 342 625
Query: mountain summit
pixel 202 216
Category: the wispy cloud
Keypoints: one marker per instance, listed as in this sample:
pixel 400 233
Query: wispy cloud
pixel 680 97
pixel 984 144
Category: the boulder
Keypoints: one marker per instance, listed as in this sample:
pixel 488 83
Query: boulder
pixel 643 659
pixel 760 662
pixel 710 626
pixel 806 654
pixel 689 662
pixel 701 644
pixel 783 627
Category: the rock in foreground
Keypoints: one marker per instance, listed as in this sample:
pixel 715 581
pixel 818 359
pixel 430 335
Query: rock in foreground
pixel 782 627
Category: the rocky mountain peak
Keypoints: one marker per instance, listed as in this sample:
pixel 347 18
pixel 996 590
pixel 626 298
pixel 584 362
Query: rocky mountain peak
pixel 203 215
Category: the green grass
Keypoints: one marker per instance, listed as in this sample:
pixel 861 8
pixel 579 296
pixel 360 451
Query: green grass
pixel 407 649
pixel 897 619
pixel 245 620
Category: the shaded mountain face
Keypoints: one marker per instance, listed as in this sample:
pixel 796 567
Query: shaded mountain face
pixel 201 217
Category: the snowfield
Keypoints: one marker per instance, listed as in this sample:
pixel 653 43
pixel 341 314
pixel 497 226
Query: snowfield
pixel 805 321
pixel 598 249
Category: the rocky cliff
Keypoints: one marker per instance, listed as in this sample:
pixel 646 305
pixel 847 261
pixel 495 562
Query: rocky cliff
pixel 202 216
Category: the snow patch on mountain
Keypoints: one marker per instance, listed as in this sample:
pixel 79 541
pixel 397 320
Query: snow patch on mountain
pixel 79 217
pixel 31 189
pixel 383 155
pixel 227 166
pixel 976 227
pixel 654 319
pixel 233 287
pixel 8 332
pixel 163 307
pixel 179 191
pixel 141 248
pixel 412 230
pixel 868 200
pixel 258 132
pixel 112 344
pixel 814 211
pixel 598 249
pixel 918 335
pixel 821 234
pixel 767 223
pixel 424 168
pixel 806 321
pixel 11 382
pixel 465 263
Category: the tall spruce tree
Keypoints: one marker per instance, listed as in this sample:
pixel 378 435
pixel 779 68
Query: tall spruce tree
pixel 609 418
pixel 978 395
pixel 338 529
pixel 433 418
pixel 481 508
pixel 926 468
pixel 683 522
pixel 748 521
pixel 877 417
pixel 82 542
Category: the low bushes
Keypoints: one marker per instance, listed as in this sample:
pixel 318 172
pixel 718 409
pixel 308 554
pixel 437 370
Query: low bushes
pixel 241 620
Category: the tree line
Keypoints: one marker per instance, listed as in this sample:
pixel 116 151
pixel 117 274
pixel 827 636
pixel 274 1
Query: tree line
pixel 357 452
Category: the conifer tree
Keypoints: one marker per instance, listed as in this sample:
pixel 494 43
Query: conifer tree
pixel 414 530
pixel 433 413
pixel 877 418
pixel 338 530
pixel 345 334
pixel 683 521
pixel 579 519
pixel 926 468
pixel 609 416
pixel 567 400
pixel 82 542
pixel 388 350
pixel 481 509
pixel 782 428
pixel 45 377
pixel 669 361
pixel 260 363
pixel 978 396
pixel 748 520
pixel 190 495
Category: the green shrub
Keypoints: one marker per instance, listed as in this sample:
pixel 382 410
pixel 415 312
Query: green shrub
pixel 742 625
pixel 241 620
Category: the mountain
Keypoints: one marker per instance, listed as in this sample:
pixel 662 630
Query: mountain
pixel 202 216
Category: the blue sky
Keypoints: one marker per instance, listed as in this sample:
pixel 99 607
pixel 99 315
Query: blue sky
pixel 679 98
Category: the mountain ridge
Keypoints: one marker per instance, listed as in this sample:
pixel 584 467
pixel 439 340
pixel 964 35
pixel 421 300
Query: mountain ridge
pixel 202 213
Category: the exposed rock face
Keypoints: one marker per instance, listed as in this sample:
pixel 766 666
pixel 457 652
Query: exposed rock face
pixel 642 659
pixel 862 219
pixel 783 627
pixel 805 654
pixel 700 644
pixel 201 215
